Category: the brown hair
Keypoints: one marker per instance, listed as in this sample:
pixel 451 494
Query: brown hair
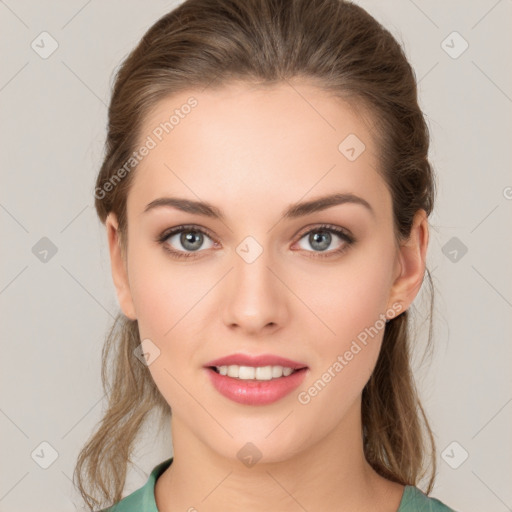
pixel 341 48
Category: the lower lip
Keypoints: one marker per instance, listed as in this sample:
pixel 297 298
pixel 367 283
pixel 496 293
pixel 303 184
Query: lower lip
pixel 256 392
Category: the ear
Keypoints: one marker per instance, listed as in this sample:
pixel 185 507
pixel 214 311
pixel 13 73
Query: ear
pixel 119 267
pixel 411 263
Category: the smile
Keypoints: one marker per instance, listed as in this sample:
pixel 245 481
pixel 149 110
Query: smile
pixel 254 373
pixel 252 379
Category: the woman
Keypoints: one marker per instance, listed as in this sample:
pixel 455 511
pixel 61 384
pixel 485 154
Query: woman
pixel 266 191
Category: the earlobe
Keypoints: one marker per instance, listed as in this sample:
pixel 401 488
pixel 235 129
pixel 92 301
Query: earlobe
pixel 412 263
pixel 119 268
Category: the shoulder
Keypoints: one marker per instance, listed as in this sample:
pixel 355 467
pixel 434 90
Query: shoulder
pixel 143 498
pixel 414 500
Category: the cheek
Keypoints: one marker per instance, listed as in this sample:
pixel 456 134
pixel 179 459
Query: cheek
pixel 163 293
pixel 350 297
pixel 350 301
pixel 166 303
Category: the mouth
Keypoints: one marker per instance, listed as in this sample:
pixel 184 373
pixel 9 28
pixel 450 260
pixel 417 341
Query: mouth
pixel 255 380
pixel 258 373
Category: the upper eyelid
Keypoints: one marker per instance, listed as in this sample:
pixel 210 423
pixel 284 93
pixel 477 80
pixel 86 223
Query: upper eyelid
pixel 326 227
pixel 301 233
pixel 185 227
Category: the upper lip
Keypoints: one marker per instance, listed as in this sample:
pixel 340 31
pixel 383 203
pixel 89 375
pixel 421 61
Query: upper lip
pixel 256 360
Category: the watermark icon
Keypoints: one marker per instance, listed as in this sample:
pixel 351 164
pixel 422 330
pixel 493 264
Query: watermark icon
pixel 146 352
pixel 507 192
pixel 351 147
pixel 249 454
pixel 249 249
pixel 305 397
pixel 454 455
pixel 44 45
pixel 44 249
pixel 151 142
pixel 44 454
pixel 454 249
pixel 454 45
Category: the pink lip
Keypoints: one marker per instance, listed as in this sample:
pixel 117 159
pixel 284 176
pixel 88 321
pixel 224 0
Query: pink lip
pixel 261 360
pixel 255 392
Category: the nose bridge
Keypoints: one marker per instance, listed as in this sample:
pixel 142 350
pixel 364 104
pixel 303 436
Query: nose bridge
pixel 256 298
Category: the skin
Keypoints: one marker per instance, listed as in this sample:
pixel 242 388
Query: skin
pixel 251 152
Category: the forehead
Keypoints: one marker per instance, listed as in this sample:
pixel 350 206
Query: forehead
pixel 246 143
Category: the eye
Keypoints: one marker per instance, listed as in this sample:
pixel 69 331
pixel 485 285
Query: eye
pixel 321 238
pixel 184 241
pixel 187 241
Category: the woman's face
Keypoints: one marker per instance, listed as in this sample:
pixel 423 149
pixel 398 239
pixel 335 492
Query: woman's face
pixel 262 273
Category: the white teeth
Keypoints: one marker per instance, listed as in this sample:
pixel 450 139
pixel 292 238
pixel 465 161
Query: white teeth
pixel 263 373
pixel 277 371
pixel 232 371
pixel 254 373
pixel 246 372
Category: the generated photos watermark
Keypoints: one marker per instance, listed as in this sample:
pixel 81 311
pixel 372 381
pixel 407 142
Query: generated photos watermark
pixel 151 142
pixel 343 360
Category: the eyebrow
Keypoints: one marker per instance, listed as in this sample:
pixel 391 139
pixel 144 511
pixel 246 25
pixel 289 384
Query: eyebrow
pixel 293 211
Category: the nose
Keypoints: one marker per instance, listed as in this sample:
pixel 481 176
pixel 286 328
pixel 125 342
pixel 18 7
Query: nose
pixel 254 300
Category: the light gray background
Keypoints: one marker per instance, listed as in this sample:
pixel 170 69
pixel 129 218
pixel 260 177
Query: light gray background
pixel 55 314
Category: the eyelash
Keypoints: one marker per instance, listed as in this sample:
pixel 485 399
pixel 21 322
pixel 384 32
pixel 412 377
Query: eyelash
pixel 348 239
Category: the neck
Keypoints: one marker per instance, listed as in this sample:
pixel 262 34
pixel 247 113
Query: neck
pixel 332 474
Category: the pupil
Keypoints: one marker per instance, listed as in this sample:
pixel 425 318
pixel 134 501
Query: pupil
pixel 318 236
pixel 191 240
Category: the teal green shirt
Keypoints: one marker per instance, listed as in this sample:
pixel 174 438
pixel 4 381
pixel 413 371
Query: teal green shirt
pixel 143 499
